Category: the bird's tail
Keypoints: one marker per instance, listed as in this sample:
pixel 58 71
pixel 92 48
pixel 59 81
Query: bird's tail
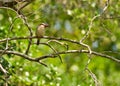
pixel 38 41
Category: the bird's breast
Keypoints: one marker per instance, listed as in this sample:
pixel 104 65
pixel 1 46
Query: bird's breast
pixel 40 32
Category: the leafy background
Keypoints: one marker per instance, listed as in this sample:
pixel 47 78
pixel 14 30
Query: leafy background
pixel 67 19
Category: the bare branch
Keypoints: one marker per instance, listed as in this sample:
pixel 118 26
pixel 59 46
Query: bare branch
pixel 80 51
pixel 58 42
pixel 18 54
pixel 55 55
pixel 9 9
pixel 30 30
pixel 45 37
pixel 91 24
pixel 93 76
pixel 3 70
pixel 23 6
pixel 53 50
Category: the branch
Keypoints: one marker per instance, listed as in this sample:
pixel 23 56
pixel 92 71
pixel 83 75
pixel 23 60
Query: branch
pixel 93 76
pixel 53 50
pixel 3 70
pixel 45 37
pixel 29 29
pixel 62 39
pixel 55 55
pixel 18 54
pixel 91 24
pixel 80 51
pixel 23 6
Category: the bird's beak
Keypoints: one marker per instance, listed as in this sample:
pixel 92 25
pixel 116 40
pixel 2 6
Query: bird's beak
pixel 46 25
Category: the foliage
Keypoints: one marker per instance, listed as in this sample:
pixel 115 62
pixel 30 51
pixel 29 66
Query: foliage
pixel 68 19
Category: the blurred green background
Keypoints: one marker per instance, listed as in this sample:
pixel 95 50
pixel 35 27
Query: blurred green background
pixel 67 19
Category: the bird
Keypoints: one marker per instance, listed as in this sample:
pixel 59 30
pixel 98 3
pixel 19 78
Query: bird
pixel 40 31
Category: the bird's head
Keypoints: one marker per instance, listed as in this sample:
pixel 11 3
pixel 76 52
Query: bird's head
pixel 45 24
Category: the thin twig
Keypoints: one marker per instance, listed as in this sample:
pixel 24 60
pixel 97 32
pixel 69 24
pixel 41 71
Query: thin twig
pixel 30 31
pixel 3 70
pixel 23 6
pixel 63 44
pixel 93 76
pixel 53 50
pixel 91 24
